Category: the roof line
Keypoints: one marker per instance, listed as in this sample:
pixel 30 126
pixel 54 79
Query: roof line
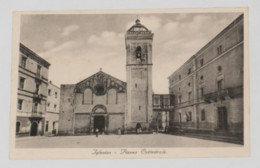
pixel 97 73
pixel 240 17
pixel 32 53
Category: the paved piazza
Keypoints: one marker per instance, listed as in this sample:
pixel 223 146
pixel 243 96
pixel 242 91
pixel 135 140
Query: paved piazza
pixel 110 141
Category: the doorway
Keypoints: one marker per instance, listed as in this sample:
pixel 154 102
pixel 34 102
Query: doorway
pixel 18 127
pixel 34 129
pixel 138 128
pixel 222 118
pixel 99 123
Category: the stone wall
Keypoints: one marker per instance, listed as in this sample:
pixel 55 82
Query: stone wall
pixel 67 99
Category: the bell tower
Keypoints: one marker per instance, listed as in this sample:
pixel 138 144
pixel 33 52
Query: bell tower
pixel 138 41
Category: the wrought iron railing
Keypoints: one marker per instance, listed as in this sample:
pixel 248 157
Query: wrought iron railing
pixel 159 106
pixel 35 114
pixel 223 94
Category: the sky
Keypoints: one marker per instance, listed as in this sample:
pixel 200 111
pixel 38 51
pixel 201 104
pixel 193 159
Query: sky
pixel 77 46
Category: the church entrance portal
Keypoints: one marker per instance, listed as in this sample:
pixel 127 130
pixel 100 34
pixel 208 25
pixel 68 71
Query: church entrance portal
pixel 99 123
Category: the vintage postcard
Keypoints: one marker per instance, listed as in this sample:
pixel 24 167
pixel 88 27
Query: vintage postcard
pixel 130 84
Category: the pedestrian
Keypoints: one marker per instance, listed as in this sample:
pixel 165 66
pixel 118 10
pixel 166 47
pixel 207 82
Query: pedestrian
pixel 97 132
pixel 119 132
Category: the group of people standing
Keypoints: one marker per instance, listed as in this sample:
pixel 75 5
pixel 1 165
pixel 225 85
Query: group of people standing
pixel 119 132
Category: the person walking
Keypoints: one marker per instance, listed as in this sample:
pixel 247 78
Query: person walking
pixel 97 132
pixel 119 132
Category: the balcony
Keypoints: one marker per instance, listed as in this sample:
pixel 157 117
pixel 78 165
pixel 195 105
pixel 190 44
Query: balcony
pixel 163 102
pixel 186 103
pixel 32 115
pixel 37 97
pixel 36 115
pixel 163 107
pixel 223 94
pixel 38 78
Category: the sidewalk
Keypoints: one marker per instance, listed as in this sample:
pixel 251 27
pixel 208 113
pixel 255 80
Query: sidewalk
pixel 221 138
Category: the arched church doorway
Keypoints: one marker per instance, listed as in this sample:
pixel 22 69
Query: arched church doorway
pixel 99 123
pixel 34 129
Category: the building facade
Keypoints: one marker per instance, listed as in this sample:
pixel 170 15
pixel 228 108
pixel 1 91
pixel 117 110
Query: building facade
pixel 208 88
pixel 52 109
pixel 32 93
pixel 98 102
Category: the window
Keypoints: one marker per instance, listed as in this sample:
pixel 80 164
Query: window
pixel 48 104
pixel 136 85
pixel 219 68
pixel 201 62
pixel 87 99
pixel 201 77
pixel 189 96
pixel 156 100
pixel 139 107
pixel 53 125
pixel 56 95
pixel 18 127
pixel 99 89
pixel 38 70
pixel 35 107
pixel 179 77
pixel 23 61
pixel 201 92
pixel 37 88
pixel 166 101
pixel 203 115
pixel 112 96
pixel 20 104
pixel 49 92
pixel 220 85
pixel 188 116
pixel 47 126
pixel 179 99
pixel 21 82
pixel 220 49
pixel 138 52
pixel 189 71
pixel 55 107
pixel 189 84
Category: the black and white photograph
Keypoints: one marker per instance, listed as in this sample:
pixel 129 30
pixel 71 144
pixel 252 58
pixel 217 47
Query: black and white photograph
pixel 129 83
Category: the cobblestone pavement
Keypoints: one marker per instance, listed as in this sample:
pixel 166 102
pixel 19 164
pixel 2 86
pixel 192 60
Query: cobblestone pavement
pixel 111 141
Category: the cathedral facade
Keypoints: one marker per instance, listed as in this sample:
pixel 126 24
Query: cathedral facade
pixel 106 103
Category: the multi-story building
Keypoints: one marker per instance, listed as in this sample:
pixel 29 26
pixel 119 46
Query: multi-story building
pixel 209 86
pixel 32 92
pixel 52 109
